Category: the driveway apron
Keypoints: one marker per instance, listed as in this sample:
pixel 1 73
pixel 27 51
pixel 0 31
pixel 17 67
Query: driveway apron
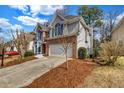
pixel 23 74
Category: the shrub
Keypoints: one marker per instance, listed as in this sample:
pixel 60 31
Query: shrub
pixel 28 53
pixel 109 53
pixel 11 53
pixel 82 53
pixel 96 47
pixel 95 52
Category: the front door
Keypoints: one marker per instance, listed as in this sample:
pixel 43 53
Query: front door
pixel 39 50
pixel 44 48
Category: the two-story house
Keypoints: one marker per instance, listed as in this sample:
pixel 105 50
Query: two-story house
pixel 39 40
pixel 70 26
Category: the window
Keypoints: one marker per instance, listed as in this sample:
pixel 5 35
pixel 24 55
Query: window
pixel 61 29
pixel 39 35
pixel 58 29
pixel 53 32
pixel 39 49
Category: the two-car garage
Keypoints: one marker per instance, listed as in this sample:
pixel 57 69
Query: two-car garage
pixel 57 50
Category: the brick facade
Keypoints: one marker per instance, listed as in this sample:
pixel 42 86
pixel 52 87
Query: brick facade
pixel 70 39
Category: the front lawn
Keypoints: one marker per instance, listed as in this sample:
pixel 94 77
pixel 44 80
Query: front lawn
pixel 13 60
pixel 59 77
pixel 107 76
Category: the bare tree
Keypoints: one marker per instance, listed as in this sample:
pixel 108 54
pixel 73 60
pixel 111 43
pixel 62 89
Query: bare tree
pixel 109 23
pixel 1 44
pixel 103 32
pixel 2 48
pixel 66 44
pixel 21 41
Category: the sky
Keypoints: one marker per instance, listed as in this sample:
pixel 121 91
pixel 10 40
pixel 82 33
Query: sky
pixel 26 16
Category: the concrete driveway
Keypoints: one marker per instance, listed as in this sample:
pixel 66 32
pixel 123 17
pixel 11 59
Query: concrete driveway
pixel 23 74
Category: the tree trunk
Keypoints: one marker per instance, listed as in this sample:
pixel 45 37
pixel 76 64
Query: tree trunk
pixel 66 62
pixel 2 62
pixel 21 57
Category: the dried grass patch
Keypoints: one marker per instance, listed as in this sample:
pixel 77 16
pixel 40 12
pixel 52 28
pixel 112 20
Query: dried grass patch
pixel 105 77
pixel 14 61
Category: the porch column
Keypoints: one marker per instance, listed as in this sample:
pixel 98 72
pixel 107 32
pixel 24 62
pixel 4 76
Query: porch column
pixel 37 47
pixel 34 48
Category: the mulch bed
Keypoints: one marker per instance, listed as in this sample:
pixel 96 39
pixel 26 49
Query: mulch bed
pixel 60 77
pixel 15 62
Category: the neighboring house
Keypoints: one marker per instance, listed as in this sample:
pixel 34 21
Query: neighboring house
pixel 10 46
pixel 31 37
pixel 39 40
pixel 70 26
pixel 118 33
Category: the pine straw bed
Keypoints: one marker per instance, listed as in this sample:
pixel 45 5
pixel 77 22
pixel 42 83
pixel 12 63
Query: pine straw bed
pixel 59 77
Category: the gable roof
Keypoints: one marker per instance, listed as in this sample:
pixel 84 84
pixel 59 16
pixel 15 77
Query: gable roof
pixel 119 24
pixel 54 17
pixel 41 26
pixel 69 19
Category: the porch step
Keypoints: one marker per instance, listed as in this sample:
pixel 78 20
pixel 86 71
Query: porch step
pixel 39 56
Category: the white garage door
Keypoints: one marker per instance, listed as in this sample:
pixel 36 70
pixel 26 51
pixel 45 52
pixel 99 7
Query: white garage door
pixel 56 50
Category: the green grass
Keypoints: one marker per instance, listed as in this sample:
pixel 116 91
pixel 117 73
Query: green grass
pixel 107 76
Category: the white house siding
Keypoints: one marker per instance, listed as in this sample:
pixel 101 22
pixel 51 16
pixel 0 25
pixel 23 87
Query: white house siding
pixel 58 20
pixel 9 49
pixel 73 27
pixel 31 44
pixel 90 41
pixel 56 50
pixel 50 33
pixel 81 39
